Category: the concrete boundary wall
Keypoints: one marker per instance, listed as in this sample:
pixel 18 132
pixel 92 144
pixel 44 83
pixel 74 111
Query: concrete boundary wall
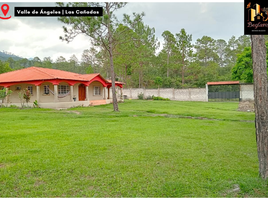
pixel 246 92
pixel 191 94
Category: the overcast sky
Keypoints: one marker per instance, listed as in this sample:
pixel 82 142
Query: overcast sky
pixel 39 36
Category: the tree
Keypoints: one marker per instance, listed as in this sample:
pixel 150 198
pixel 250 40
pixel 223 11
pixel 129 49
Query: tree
pixel 62 64
pixel 206 50
pixel 221 51
pixel 90 61
pixel 99 29
pixel 169 47
pixel 158 81
pixel 37 62
pixel 185 49
pixel 73 63
pixel 242 71
pixel 144 42
pixel 47 62
pixel 261 101
pixel 3 94
pixel 4 67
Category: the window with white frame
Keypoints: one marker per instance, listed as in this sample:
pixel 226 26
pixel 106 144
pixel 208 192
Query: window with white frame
pixel 46 89
pixel 97 90
pixel 63 89
pixel 30 88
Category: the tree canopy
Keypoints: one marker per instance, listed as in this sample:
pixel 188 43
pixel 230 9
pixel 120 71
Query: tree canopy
pixel 243 70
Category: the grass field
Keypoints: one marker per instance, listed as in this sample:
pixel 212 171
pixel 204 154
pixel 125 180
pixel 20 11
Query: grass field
pixel 149 149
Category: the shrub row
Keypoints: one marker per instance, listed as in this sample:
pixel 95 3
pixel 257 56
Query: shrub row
pixel 141 97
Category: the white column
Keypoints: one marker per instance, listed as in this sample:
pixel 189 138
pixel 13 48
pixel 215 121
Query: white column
pixel 71 93
pixel 104 93
pixel 87 94
pixel 55 93
pixel 38 93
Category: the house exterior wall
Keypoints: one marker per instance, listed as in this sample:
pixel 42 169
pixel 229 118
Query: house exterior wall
pixel 68 97
pixel 46 98
pixel 91 91
pixel 49 101
pixel 14 97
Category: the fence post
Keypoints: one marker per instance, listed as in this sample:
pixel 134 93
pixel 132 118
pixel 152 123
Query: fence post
pixel 207 92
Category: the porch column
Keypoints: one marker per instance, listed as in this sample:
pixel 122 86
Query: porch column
pixel 104 92
pixel 71 93
pixel 55 93
pixel 108 93
pixel 87 94
pixel 38 93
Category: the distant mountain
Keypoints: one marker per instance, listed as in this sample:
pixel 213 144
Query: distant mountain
pixel 5 55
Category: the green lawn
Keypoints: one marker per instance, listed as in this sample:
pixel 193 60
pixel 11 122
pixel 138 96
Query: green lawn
pixel 149 149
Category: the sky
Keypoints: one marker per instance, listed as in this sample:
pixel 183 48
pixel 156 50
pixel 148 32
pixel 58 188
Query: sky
pixel 29 37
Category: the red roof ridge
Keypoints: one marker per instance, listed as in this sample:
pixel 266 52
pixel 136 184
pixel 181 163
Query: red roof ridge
pixel 39 69
pixel 84 75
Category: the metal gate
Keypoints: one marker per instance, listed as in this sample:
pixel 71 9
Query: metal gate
pixel 223 93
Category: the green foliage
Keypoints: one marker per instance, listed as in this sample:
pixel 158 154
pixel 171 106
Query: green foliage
pixel 89 70
pixel 27 95
pixel 161 98
pixel 242 71
pixel 13 106
pixel 141 96
pixel 158 81
pixel 35 104
pixel 4 67
pixel 4 93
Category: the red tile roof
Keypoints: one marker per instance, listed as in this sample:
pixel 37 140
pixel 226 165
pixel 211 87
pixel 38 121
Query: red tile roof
pixel 116 82
pixel 223 83
pixel 38 73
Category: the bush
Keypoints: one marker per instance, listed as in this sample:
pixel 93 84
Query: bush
pixel 13 106
pixel 140 96
pixel 150 97
pixel 161 98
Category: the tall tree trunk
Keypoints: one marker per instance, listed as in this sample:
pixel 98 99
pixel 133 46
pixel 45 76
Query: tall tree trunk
pixel 261 101
pixel 115 104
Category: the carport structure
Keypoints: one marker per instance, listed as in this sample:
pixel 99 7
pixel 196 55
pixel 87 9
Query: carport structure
pixel 223 91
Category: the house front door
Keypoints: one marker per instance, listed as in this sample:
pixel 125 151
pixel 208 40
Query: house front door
pixel 82 92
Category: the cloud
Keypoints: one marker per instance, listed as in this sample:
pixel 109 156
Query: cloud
pixel 36 36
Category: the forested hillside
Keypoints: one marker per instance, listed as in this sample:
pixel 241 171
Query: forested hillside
pixel 5 55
